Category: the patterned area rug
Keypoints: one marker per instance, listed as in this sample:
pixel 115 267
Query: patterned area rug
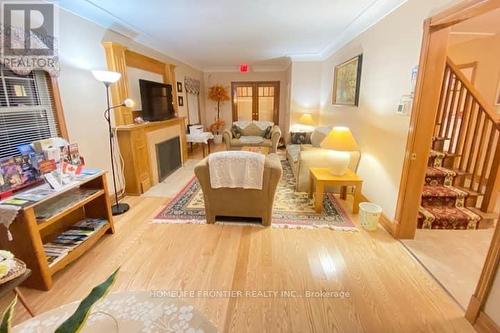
pixel 291 209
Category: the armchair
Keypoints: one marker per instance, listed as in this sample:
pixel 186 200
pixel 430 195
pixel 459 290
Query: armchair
pixel 238 201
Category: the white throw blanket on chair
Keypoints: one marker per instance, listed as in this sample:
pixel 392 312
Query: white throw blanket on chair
pixel 233 169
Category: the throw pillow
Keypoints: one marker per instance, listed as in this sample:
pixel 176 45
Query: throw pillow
pixel 301 137
pixel 267 133
pixel 236 131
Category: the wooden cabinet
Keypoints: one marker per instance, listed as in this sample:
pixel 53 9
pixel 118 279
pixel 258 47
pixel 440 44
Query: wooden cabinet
pixel 135 150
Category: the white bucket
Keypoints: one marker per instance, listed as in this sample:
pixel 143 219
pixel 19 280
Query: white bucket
pixel 369 215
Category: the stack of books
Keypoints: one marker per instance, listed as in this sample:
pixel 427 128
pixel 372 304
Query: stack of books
pixel 70 239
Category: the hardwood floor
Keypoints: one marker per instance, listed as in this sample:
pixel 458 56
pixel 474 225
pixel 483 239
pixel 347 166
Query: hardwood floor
pixel 389 291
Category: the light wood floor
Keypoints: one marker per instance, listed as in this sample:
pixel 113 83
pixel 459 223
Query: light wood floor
pixel 389 291
pixel 454 257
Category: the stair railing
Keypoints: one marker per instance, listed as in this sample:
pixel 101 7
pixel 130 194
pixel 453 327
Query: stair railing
pixel 469 130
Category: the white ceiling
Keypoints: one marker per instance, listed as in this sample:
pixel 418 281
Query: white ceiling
pixel 220 34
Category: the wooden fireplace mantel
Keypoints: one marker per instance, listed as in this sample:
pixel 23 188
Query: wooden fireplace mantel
pixel 135 147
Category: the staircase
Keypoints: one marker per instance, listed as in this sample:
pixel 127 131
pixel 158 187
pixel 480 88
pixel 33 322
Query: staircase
pixel 462 177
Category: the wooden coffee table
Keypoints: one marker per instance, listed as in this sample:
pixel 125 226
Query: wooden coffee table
pixel 321 177
pixel 261 150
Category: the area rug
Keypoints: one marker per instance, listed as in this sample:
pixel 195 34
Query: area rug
pixel 291 209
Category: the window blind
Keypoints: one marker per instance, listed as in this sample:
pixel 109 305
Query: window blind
pixel 27 110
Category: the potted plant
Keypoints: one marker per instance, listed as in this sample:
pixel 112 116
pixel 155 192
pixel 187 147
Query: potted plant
pixel 219 94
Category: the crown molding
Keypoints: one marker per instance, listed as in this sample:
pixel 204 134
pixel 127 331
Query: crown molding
pixel 253 68
pixel 373 14
pixel 91 12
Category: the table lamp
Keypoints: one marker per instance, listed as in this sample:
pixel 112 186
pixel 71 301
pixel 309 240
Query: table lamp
pixel 108 78
pixel 340 142
pixel 306 119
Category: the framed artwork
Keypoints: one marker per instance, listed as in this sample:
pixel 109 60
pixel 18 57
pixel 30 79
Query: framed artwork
pixel 346 81
pixel 497 98
pixel 181 101
pixel 179 87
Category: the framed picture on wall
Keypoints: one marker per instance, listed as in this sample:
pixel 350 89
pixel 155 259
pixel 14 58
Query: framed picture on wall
pixel 346 81
pixel 179 87
pixel 181 101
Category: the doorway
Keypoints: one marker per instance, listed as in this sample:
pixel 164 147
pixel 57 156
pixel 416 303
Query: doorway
pixel 451 109
pixel 256 100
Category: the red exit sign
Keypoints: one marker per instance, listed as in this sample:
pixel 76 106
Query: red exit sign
pixel 244 68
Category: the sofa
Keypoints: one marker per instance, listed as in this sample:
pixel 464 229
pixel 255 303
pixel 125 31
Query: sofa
pixel 252 133
pixel 304 156
pixel 241 202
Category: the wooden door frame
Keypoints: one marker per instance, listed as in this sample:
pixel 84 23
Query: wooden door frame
pixel 431 71
pixel 276 107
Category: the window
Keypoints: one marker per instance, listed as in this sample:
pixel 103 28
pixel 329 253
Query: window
pixel 26 110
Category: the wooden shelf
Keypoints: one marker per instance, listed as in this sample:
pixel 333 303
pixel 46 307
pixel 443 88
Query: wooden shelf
pixel 42 224
pixel 79 249
pixel 30 234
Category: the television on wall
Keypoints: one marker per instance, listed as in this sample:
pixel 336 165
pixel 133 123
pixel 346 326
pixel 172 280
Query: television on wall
pixel 156 100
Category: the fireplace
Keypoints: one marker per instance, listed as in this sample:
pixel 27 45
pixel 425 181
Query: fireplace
pixel 168 157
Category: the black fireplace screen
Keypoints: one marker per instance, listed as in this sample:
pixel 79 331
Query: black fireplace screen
pixel 168 156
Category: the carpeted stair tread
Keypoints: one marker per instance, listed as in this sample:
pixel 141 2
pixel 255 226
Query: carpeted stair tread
pixel 439 217
pixel 442 204
pixel 439 176
pixel 442 191
pixel 442 195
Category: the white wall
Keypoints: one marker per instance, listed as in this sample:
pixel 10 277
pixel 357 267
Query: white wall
pixel 84 98
pixel 305 90
pixel 390 50
pixel 225 79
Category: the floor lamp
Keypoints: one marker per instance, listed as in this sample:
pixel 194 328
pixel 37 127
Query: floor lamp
pixel 108 78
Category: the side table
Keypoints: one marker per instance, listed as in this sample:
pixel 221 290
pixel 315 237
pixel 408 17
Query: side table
pixel 321 177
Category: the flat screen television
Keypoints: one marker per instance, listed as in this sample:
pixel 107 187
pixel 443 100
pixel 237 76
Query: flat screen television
pixel 156 100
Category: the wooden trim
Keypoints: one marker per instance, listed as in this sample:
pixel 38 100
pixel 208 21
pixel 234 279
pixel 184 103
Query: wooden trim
pixel 137 60
pixel 119 58
pixel 431 68
pixel 472 65
pixel 433 57
pixel 486 279
pixel 58 107
pixel 462 12
pixel 488 109
pixel 115 58
pixel 255 99
pixel 484 324
pixel 425 106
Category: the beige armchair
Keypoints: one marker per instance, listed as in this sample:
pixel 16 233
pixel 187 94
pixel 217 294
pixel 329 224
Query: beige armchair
pixel 241 202
pixel 254 131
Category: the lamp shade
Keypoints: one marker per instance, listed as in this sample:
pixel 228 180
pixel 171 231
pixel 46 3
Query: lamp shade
pixel 106 76
pixel 340 139
pixel 306 119
pixel 129 102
